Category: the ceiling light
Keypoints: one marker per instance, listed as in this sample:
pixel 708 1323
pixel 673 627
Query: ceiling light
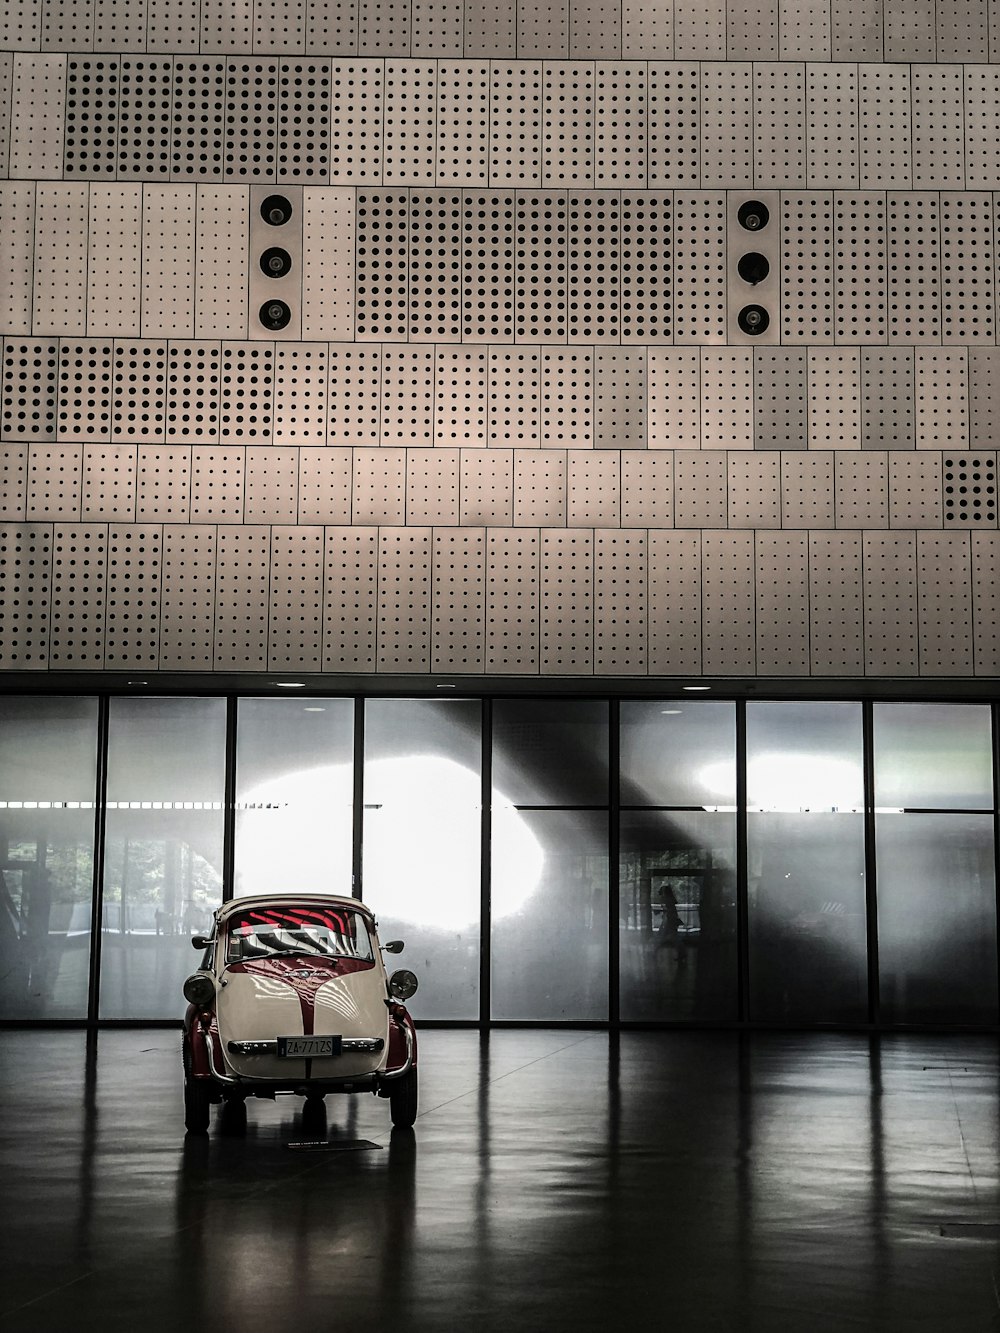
pixel 290 684
pixel 697 687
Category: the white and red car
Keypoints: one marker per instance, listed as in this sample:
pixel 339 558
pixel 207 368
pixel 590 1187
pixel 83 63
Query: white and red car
pixel 292 996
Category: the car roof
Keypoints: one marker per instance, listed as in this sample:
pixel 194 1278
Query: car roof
pixel 291 900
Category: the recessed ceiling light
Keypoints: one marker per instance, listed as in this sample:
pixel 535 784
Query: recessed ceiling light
pixel 446 687
pixel 697 687
pixel 670 712
pixel 290 684
pixel 138 682
pixel 314 710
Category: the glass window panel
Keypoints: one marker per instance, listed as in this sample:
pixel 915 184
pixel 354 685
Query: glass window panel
pixel 677 916
pixel 679 754
pixel 163 855
pixel 936 918
pixel 550 914
pixel 294 795
pixel 804 756
pixel 807 918
pixel 422 843
pixel 933 756
pixel 550 752
pixel 48 782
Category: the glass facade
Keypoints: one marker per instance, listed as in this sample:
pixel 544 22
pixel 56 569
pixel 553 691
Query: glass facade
pixel 644 861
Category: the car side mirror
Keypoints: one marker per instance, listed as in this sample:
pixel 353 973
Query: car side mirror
pixel 200 941
pixel 393 946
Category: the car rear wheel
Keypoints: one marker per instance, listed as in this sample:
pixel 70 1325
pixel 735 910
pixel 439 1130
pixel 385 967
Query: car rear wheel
pixel 197 1104
pixel 403 1100
pixel 234 1116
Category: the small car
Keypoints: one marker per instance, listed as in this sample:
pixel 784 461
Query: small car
pixel 292 996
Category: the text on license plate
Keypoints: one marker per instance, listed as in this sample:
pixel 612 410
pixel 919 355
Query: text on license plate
pixel 308 1046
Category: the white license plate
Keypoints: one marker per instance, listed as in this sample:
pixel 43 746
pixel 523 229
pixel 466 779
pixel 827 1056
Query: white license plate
pixel 308 1047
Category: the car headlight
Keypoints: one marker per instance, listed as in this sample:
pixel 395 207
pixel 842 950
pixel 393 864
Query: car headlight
pixel 402 984
pixel 199 989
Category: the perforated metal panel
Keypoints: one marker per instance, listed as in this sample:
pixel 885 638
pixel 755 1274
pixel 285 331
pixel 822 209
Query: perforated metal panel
pixel 409 121
pixel 915 490
pixel 91 116
pixel 567 397
pixel 168 232
pixel 781 566
pixel 301 373
pixel 295 633
pixel 620 603
pixel 30 390
pixel 780 398
pixel 908 35
pixel 79 582
pixel 251 119
pixel 13 481
pixel 247 384
pixel 807 268
pixel 270 485
pixel 328 239
pixel 805 30
pixel 132 609
pixel 967 269
pixel 26 570
pixel 109 483
pixel 53 482
pixel 458 624
pixel 807 493
pixel 67 25
pixel 836 611
pixel 647 490
pixel 144 117
pixel 354 394
pixel 728 608
pixel 460 390
pixel 593 489
pixel 408 395
pixel 60 282
pixel 325 480
pixel 279 25
pixel 619 398
pixel 699 267
pixel 884 126
pixel 942 407
pixel 700 29
pixel 862 490
pixel 187 598
pixel 889 571
pixel 193 393
pixel 595 28
pixel 221 262
pixel 241 598
pixel 173 27
pixel 436 27
pixel 984 395
pixel 404 599
pixel 36 132
pixel 674 398
pixel 593 263
pixel 432 487
pixel 350 599
pixel 463 123
pixel 970 489
pixel 982 144
pixel 856 29
pixel 568 123
pixel 566 602
pixel 674 626
pixel 540 312
pixel 860 256
pixel 539 487
pixel 488 268
pixel 620 124
pixel 754 489
pixel 331 27
pixel 382 259
pixel 986 602
pixel 435 267
pixel 673 135
pixel 516 124
pixel 832 125
pixel 727 125
pixel 487 487
pixel 139 393
pixel 384 27
pixel 646 268
pixel 727 398
pixel 648 29
pixel 114 281
pixel 199 119
pixel 834 398
pixel 17 202
pixel 963 30
pixel 490 28
pixel 85 376
pixel 938 128
pixel 226 25
pixel 752 29
pixel 700 499
pixel 779 126
pixel 543 29
pixel 163 484
pixel 379 486
pixel 512 600
pixel 887 398
pixel 356 97
pixel 217 484
pixel 944 587
pixel 6 83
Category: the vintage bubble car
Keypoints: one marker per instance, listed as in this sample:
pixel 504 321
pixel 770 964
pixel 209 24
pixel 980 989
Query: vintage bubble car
pixel 292 997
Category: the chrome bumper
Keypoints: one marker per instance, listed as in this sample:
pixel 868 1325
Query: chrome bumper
pixel 348 1044
pixel 387 1075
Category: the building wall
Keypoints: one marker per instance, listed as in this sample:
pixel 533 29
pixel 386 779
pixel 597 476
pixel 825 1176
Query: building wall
pixel 513 425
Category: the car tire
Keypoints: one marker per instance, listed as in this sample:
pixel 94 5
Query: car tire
pixel 403 1100
pixel 234 1117
pixel 197 1104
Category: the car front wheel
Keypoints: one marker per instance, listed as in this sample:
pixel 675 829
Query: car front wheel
pixel 403 1100
pixel 197 1104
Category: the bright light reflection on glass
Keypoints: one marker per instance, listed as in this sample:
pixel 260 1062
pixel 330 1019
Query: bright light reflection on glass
pixel 793 782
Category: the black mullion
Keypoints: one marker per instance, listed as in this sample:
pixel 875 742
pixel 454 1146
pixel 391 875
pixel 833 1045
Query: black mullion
pixel 229 804
pixel 485 865
pixel 614 857
pixel 100 842
pixel 871 869
pixel 742 900
pixel 358 809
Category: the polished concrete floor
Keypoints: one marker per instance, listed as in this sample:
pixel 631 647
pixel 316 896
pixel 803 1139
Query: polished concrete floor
pixel 555 1180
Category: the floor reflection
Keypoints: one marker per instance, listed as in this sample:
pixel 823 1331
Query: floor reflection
pixel 555 1179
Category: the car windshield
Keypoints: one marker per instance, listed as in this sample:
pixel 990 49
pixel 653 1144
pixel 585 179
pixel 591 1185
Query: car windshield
pixel 329 932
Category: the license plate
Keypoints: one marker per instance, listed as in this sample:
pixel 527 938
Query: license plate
pixel 308 1047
